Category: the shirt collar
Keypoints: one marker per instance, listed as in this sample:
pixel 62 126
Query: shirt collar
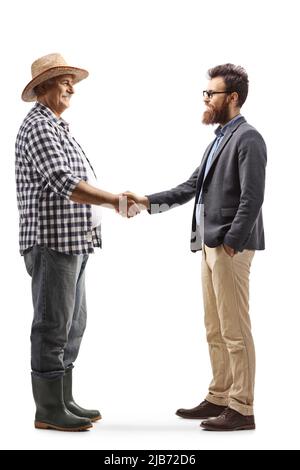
pixel 50 115
pixel 222 130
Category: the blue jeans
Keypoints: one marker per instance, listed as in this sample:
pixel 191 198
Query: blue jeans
pixel 59 302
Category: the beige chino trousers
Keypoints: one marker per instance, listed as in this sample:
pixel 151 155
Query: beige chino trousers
pixel 225 286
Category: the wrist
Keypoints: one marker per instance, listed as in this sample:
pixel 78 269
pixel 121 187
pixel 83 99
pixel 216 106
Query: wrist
pixel 115 201
pixel 146 202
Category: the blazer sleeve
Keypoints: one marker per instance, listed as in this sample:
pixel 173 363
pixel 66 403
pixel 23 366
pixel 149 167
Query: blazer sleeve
pixel 165 200
pixel 252 160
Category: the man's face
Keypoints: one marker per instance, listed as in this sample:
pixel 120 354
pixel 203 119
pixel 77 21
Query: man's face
pixel 59 94
pixel 217 107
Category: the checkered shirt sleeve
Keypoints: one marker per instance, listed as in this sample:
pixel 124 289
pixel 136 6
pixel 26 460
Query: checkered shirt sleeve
pixel 45 151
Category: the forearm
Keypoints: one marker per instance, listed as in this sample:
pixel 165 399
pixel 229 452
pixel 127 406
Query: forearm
pixel 165 200
pixel 84 193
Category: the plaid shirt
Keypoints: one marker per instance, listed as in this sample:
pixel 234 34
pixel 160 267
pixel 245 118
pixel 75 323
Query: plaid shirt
pixel 48 167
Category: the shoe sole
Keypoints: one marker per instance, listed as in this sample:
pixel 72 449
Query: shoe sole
pixel 95 419
pixel 198 417
pixel 194 417
pixel 41 425
pixel 238 428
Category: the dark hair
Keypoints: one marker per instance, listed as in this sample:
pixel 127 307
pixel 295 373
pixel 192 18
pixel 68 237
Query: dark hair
pixel 43 87
pixel 235 78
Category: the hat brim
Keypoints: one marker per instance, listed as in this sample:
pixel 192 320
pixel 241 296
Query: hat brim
pixel 28 93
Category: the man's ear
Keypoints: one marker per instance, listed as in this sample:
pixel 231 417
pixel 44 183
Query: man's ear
pixel 235 98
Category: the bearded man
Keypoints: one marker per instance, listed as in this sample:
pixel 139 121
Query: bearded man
pixel 228 187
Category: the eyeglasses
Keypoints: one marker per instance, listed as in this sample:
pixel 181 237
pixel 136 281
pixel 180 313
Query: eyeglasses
pixel 209 94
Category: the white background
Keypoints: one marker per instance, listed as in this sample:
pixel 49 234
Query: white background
pixel 138 116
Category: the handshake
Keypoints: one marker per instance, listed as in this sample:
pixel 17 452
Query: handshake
pixel 130 204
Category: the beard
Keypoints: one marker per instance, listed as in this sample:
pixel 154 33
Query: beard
pixel 216 116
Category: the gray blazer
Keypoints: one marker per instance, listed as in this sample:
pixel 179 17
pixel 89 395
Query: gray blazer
pixel 233 192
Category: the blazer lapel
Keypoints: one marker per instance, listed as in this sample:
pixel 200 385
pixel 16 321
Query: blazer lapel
pixel 202 169
pixel 204 160
pixel 224 142
pixel 220 148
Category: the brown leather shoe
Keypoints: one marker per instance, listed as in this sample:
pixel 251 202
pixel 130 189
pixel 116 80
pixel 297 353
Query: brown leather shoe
pixel 203 411
pixel 229 420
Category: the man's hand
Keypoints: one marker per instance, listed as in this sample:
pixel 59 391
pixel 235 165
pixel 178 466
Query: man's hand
pixel 126 206
pixel 230 251
pixel 135 203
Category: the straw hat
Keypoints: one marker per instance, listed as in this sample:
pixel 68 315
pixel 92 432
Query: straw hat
pixel 49 66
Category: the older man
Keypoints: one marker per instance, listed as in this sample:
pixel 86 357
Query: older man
pixel 58 203
pixel 227 225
